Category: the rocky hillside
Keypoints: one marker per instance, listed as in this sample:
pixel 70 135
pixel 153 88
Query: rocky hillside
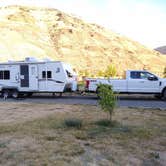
pixel 43 33
pixel 162 49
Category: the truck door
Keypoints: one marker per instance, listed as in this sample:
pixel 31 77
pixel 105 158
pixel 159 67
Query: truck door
pixel 33 81
pixel 138 82
pixel 24 76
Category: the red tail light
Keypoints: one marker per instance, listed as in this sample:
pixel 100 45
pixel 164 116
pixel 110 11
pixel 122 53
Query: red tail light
pixel 87 84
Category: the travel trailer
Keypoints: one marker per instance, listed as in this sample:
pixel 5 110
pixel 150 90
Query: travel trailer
pixel 18 78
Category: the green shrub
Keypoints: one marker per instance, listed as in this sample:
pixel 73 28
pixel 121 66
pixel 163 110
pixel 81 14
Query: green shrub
pixel 106 123
pixel 76 123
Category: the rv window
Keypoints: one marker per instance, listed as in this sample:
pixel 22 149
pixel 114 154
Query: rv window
pixel 69 74
pixel 1 75
pixel 6 75
pixel 49 74
pixel 58 70
pixel 43 74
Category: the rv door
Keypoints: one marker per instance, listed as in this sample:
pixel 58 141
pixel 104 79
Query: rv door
pixel 33 79
pixel 24 76
pixel 28 77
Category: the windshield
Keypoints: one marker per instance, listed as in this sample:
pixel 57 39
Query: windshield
pixel 141 75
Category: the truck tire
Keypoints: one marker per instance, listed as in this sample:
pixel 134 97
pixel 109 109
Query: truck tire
pixel 158 96
pixel 5 93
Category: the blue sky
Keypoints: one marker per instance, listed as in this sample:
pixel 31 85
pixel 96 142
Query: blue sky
pixel 141 20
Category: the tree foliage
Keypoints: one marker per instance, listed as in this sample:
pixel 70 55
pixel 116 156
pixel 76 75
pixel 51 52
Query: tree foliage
pixel 164 72
pixel 110 71
pixel 107 99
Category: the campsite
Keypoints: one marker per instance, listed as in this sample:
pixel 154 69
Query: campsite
pixel 36 134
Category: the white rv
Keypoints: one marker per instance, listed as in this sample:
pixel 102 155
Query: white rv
pixel 30 76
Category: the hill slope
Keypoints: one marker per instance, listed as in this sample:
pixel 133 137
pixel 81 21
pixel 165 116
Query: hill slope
pixel 162 49
pixel 43 32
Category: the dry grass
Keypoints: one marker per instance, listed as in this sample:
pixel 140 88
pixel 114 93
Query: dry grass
pixel 137 138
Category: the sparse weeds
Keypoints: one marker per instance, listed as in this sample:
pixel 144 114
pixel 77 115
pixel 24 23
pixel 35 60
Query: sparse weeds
pixel 74 136
pixel 73 122
pixel 106 123
pixel 3 145
pixel 142 133
pixel 8 128
pixel 81 135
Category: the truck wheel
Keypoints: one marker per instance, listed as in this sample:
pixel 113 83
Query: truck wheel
pixel 15 93
pixel 5 94
pixel 158 96
pixel 164 94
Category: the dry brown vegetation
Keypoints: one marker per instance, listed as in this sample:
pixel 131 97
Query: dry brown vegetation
pixel 42 32
pixel 35 134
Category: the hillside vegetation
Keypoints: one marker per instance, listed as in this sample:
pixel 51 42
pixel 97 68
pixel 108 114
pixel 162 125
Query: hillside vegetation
pixel 50 33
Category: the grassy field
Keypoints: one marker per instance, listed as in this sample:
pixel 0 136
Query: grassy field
pixel 137 136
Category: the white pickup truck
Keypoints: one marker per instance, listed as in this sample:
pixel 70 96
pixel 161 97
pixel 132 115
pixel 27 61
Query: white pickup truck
pixel 136 82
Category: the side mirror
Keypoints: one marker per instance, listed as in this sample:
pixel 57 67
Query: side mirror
pixel 152 78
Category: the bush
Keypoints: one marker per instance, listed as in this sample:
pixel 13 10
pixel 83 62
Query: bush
pixel 110 71
pixel 164 72
pixel 107 98
pixel 106 123
pixel 76 123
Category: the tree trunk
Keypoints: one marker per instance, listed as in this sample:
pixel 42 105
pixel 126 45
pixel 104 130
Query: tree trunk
pixel 110 112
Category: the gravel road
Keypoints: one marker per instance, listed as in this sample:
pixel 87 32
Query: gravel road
pixel 123 101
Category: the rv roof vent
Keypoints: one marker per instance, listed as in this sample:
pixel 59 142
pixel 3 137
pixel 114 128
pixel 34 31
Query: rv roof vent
pixel 10 61
pixel 46 60
pixel 30 59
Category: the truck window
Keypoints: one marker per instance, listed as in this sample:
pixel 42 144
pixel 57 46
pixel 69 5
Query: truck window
pixel 140 75
pixel 145 75
pixel 135 75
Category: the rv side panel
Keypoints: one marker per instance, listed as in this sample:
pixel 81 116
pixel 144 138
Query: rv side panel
pixel 51 77
pixel 9 76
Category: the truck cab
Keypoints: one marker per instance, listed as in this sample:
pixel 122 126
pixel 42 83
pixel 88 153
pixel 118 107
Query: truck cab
pixel 143 82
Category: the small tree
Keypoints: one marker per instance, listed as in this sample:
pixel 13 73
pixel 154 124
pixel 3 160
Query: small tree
pixel 110 71
pixel 107 99
pixel 164 72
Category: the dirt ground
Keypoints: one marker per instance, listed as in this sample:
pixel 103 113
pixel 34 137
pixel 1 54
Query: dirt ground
pixel 20 112
pixel 35 134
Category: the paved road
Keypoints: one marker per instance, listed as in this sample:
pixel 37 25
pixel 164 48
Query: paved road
pixel 123 101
